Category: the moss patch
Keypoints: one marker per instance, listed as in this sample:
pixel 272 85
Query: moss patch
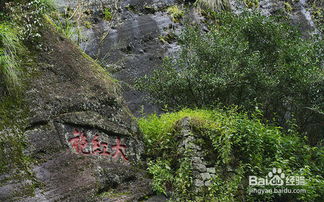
pixel 113 195
pixel 13 162
pixel 13 113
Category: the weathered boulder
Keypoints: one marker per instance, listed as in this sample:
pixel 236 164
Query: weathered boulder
pixel 83 139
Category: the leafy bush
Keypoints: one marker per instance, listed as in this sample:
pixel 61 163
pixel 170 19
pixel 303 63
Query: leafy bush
pixel 229 140
pixel 246 60
pixel 162 172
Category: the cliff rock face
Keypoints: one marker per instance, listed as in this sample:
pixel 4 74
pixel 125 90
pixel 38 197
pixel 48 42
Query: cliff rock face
pixel 129 43
pixel 300 12
pixel 130 38
pixel 82 137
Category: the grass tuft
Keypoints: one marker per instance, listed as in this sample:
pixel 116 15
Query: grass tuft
pixel 10 47
pixel 176 13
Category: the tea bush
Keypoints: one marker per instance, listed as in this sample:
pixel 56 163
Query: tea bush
pixel 248 60
pixel 231 140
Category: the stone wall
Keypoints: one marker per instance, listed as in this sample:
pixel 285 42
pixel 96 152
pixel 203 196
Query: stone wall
pixel 202 173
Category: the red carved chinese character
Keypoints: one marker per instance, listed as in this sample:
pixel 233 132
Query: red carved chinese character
pixel 75 141
pixel 119 149
pixel 83 144
pixel 79 142
pixel 96 146
pixel 105 147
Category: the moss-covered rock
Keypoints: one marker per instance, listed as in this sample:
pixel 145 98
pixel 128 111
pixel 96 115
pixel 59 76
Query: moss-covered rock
pixel 77 126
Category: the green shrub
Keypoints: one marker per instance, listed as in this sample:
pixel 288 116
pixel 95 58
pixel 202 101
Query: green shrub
pixel 162 175
pixel 247 60
pixel 229 140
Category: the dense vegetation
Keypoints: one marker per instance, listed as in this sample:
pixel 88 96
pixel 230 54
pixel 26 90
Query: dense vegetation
pixel 237 146
pixel 263 66
pixel 250 61
pixel 260 64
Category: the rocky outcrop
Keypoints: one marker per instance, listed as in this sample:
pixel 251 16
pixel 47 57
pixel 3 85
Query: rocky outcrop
pixel 83 139
pixel 140 33
pixel 129 45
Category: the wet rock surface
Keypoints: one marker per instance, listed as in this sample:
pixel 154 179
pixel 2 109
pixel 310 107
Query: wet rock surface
pixel 129 44
pixel 133 50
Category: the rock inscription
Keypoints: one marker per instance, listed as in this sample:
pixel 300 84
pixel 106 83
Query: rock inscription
pixel 81 143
